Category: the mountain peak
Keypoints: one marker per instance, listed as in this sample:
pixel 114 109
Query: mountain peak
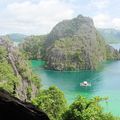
pixel 85 18
pixel 76 26
pixel 80 16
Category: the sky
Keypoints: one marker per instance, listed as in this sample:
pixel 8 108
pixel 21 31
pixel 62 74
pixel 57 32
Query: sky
pixel 40 16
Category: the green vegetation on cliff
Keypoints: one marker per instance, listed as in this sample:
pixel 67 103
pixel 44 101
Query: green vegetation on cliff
pixel 112 54
pixel 32 46
pixel 52 101
pixel 72 53
pixel 76 44
pixel 71 45
pixel 7 77
pixel 87 109
pixel 15 73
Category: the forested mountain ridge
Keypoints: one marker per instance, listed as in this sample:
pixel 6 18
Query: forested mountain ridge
pixel 110 35
pixel 33 46
pixel 17 37
pixel 16 76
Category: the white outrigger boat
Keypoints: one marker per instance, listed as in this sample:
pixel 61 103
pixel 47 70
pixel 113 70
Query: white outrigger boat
pixel 85 84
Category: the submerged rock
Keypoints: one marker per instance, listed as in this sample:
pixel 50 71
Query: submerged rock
pixel 14 109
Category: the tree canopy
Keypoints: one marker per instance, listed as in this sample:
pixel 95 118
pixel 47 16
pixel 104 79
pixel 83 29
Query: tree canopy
pixel 52 101
pixel 87 109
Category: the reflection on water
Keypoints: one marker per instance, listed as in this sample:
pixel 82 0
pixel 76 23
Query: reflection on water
pixel 105 82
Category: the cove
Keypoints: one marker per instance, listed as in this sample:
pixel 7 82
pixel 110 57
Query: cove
pixel 105 83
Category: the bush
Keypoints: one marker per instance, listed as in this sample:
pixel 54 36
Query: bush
pixel 83 109
pixel 52 101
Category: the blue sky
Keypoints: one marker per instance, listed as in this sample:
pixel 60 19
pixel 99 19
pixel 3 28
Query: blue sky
pixel 39 16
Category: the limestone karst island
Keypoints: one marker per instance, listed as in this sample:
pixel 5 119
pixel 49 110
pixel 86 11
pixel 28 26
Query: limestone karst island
pixel 60 60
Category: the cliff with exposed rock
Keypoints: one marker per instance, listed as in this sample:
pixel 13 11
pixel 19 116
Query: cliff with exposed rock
pixel 15 73
pixel 76 44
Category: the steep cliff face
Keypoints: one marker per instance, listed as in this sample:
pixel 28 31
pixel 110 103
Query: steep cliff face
pixel 15 74
pixel 80 26
pixel 75 44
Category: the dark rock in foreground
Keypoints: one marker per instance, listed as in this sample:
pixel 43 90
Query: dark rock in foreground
pixel 14 109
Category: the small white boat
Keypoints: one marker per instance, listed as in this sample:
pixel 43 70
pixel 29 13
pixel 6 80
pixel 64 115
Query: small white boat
pixel 85 84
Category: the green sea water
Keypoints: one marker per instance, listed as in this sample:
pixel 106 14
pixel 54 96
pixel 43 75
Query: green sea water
pixel 105 82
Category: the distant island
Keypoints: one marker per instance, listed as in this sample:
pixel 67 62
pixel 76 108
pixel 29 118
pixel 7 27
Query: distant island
pixel 110 35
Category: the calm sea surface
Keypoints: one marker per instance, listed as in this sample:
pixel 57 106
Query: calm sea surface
pixel 105 82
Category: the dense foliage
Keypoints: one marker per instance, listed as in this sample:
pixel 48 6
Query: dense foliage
pixel 75 44
pixel 113 55
pixel 84 109
pixel 32 46
pixel 7 76
pixel 52 101
pixel 16 76
pixel 71 53
pixel 71 45
pixel 25 70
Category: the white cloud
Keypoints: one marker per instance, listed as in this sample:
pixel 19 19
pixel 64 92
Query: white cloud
pixel 116 23
pixel 38 17
pixel 100 4
pixel 102 20
pixel 106 21
pixel 28 17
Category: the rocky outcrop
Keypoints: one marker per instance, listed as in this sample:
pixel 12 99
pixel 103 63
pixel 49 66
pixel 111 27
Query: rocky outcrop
pixel 14 109
pixel 80 26
pixel 26 87
pixel 75 44
pixel 112 54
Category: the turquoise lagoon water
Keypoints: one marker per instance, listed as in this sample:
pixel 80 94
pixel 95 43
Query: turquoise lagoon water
pixel 105 82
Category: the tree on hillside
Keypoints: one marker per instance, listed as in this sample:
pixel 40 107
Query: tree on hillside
pixel 84 109
pixel 52 101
